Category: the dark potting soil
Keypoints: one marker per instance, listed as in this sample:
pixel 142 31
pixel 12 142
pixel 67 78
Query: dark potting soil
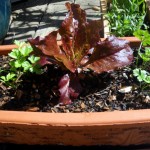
pixel 117 90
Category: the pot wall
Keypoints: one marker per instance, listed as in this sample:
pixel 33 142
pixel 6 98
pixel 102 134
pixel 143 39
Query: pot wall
pixel 77 129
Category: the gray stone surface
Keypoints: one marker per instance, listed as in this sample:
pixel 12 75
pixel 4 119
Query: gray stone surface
pixel 31 18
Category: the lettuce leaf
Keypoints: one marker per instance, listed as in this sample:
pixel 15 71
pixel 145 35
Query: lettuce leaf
pixel 80 49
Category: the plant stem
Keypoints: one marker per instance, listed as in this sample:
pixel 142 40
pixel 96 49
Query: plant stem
pixel 19 76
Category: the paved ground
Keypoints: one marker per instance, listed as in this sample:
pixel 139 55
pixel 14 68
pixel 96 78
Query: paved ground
pixel 31 18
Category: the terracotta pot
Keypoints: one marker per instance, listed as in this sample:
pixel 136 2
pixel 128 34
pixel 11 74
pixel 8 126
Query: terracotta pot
pixel 98 128
pixel 133 41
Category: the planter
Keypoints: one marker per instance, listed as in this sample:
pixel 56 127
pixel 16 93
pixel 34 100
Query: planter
pixel 104 128
pixel 76 129
pixel 5 12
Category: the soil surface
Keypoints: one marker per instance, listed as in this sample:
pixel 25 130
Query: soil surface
pixel 118 90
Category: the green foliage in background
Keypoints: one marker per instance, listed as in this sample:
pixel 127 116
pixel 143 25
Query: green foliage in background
pixel 126 16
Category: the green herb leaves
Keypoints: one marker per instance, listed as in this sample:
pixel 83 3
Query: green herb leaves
pixel 146 55
pixel 144 36
pixel 142 72
pixel 126 16
pixel 142 75
pixel 22 61
pixel 8 79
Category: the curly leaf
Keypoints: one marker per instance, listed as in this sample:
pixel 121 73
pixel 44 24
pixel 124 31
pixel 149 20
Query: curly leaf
pixel 67 25
pixel 64 90
pixel 108 47
pixel 49 47
pixel 44 60
pixel 82 38
pixel 69 88
pixel 78 13
pixel 79 40
pixel 112 62
pixel 110 54
pixel 86 37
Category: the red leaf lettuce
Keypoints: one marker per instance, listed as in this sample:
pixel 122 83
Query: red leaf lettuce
pixel 81 49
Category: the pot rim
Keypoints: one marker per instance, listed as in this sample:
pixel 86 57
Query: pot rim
pixel 133 41
pixel 76 119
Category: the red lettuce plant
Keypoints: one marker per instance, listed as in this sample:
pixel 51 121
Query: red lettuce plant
pixel 80 50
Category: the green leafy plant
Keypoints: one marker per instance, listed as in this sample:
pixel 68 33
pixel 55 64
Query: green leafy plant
pixel 126 16
pixel 142 75
pixel 8 78
pixel 142 72
pixel 22 61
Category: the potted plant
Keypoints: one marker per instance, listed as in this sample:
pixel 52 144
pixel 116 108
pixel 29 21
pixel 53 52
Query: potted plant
pixel 79 57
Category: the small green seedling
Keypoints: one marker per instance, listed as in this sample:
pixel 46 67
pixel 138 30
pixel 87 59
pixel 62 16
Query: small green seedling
pixel 22 62
pixel 141 75
pixel 8 78
pixel 142 71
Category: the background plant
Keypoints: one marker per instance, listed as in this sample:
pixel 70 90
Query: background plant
pixel 142 71
pixel 126 16
pixel 22 61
